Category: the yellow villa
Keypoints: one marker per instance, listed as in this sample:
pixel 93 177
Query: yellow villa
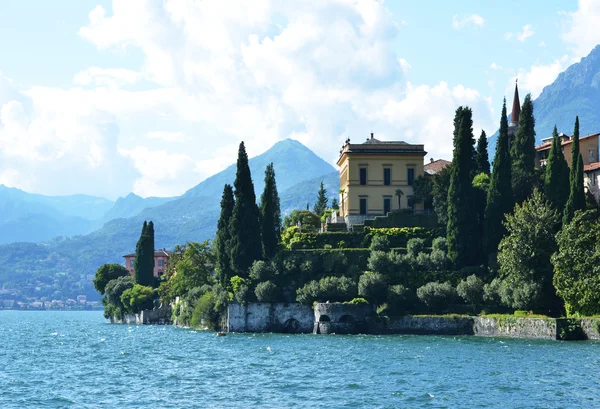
pixel 371 174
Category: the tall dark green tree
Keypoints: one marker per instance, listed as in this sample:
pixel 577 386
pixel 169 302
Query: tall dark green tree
pixel 576 192
pixel 144 258
pixel 223 237
pixel 482 160
pixel 321 205
pixel 270 214
pixel 522 153
pixel 462 231
pixel 244 225
pixel 556 179
pixel 500 196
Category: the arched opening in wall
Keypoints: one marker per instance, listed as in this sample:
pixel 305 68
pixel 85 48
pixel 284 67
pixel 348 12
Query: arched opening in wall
pixel 324 318
pixel 291 326
pixel 346 318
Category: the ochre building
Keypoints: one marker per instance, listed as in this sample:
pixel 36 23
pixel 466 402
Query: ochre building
pixel 371 174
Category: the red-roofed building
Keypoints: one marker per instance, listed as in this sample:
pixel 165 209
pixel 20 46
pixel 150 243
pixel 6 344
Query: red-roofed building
pixel 160 262
pixel 588 147
pixel 435 166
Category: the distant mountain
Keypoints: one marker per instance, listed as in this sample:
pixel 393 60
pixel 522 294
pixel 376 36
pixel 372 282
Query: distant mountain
pixel 33 217
pixel 190 217
pixel 132 204
pixel 576 91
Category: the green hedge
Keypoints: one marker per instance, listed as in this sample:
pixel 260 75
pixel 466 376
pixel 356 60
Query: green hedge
pixel 404 218
pixel 399 236
pixel 356 257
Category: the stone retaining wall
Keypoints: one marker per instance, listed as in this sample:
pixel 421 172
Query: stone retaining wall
pixel 265 317
pixel 159 316
pixel 515 327
pixel 430 325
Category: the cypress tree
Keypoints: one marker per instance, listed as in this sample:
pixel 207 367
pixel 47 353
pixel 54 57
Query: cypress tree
pixel 556 179
pixel 522 152
pixel 144 257
pixel 223 237
pixel 482 161
pixel 321 205
pixel 577 194
pixel 499 197
pixel 462 230
pixel 270 215
pixel 244 226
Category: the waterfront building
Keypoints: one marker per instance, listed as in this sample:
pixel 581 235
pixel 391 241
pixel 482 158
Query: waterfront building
pixel 160 262
pixel 373 174
pixel 435 166
pixel 588 146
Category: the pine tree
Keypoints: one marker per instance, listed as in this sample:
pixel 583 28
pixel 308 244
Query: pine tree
pixel 321 205
pixel 482 161
pixel 522 153
pixel 500 197
pixel 144 258
pixel 244 225
pixel 335 205
pixel 462 230
pixel 576 192
pixel 270 215
pixel 223 237
pixel 556 179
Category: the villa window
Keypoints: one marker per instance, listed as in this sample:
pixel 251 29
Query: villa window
pixel 131 263
pixel 411 176
pixel 363 205
pixel 363 176
pixel 387 176
pixel 161 262
pixel 592 155
pixel 387 205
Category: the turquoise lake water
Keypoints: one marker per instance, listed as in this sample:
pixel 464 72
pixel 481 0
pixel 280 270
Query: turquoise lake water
pixel 78 360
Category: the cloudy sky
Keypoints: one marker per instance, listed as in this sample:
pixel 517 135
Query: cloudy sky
pixel 152 96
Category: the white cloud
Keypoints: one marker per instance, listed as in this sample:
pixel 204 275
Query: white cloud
pixel 538 76
pixel 404 64
pixel 473 20
pixel 109 77
pixel 542 44
pixel 168 136
pixel 508 36
pixel 495 66
pixel 526 33
pixel 581 30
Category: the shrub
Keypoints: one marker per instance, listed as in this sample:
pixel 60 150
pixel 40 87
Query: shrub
pixel 380 262
pixel 240 289
pixel 380 243
pixel 262 270
pixel 382 309
pixel 358 301
pixel 204 311
pixel 571 330
pixel 335 263
pixel 115 288
pixel 138 298
pixel 440 243
pixel 491 292
pixel 437 296
pixel 415 246
pixel 267 292
pixel 327 289
pixel 399 298
pixel 471 290
pixel 424 261
pixel 523 296
pixel 438 259
pixel 373 287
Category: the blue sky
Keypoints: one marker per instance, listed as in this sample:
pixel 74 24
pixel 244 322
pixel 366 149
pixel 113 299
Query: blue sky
pixel 108 97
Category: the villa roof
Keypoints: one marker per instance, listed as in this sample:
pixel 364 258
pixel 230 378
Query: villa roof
pixel 591 167
pixel 372 145
pixel 547 145
pixel 157 253
pixel 436 166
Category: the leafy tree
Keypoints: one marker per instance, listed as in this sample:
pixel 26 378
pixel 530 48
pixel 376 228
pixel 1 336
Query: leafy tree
pixel 244 226
pixel 138 298
pixel 437 296
pixel 380 262
pixel 524 254
pixel 223 236
pixel 327 289
pixel 193 270
pixel 441 182
pixel 321 205
pixel 576 264
pixel 267 291
pixel 108 272
pixel 499 197
pixel 471 290
pixel 262 270
pixel 482 161
pixel 522 152
pixel 270 215
pixel 379 243
pixel 205 312
pixel 400 298
pixel 556 178
pixel 423 191
pixel 373 287
pixel 576 192
pixel 144 257
pixel 462 229
pixel 113 291
pixel 415 246
pixel 308 220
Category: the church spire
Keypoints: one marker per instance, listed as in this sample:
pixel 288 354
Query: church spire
pixel 516 108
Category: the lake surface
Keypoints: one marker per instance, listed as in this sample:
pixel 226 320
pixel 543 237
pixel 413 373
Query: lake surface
pixel 78 360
